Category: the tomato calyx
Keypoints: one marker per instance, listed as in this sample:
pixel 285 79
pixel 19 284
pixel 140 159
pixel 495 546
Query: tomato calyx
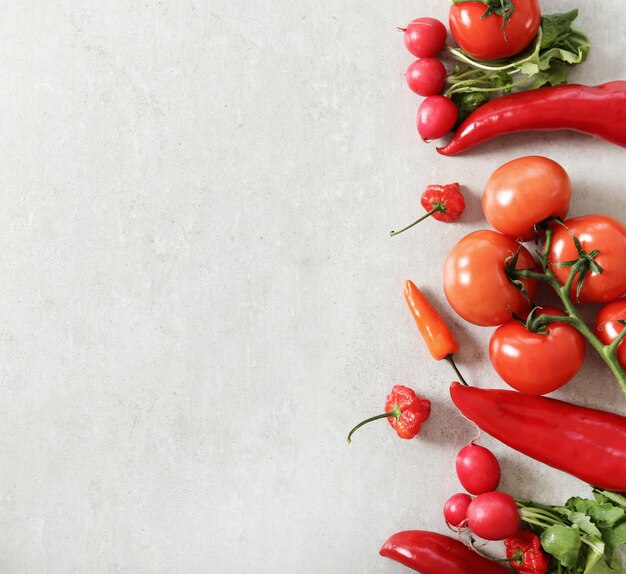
pixel 582 265
pixel 504 8
pixel 510 266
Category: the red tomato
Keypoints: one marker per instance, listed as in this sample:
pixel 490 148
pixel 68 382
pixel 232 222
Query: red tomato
pixel 594 232
pixel 485 38
pixel 533 363
pixel 524 192
pixel 475 280
pixel 607 327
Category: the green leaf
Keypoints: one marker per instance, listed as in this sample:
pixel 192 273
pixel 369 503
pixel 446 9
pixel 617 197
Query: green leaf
pixel 563 542
pixel 596 564
pixel 610 520
pixel 603 514
pixel 467 102
pixel 555 25
pixel 584 523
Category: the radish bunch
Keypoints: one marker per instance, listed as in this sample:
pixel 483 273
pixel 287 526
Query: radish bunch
pixel 491 515
pixel 425 38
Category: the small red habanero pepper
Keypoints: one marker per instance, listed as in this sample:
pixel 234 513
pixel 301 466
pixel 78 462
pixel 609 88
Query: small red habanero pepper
pixel 404 409
pixel 432 553
pixel 523 549
pixel 587 443
pixel 444 202
pixel 598 111
pixel 439 339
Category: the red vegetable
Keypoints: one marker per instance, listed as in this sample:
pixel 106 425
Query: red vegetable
pixel 537 363
pixel 436 116
pixel 587 443
pixel 478 469
pixel 595 232
pixel 607 326
pixel 524 551
pixel 443 202
pixel 598 111
pixel 493 37
pixel 404 410
pixel 426 77
pixel 524 192
pixel 475 280
pixel 424 37
pixel 493 515
pixel 432 553
pixel 455 508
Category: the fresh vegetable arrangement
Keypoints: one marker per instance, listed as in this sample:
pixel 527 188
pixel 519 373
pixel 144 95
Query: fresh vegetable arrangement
pixel 508 74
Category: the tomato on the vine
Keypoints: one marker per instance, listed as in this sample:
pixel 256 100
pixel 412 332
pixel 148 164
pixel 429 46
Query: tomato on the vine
pixel 524 192
pixel 475 279
pixel 487 38
pixel 537 363
pixel 600 232
pixel 608 327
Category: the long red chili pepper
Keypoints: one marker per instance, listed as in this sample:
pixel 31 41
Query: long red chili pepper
pixel 432 553
pixel 598 111
pixel 587 443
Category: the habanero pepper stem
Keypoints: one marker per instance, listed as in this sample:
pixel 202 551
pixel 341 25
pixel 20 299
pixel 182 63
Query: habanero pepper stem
pixel 435 209
pixel 573 318
pixel 439 339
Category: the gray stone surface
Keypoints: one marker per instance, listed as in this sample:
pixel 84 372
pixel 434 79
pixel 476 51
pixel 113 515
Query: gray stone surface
pixel 199 296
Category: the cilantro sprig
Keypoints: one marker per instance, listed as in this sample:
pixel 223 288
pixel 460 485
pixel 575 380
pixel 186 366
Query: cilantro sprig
pixel 546 62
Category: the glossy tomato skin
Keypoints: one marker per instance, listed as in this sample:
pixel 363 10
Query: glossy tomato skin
pixel 475 280
pixel 484 38
pixel 524 192
pixel 594 232
pixel 607 327
pixel 533 363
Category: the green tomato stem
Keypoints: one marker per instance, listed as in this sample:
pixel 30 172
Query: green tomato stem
pixel 607 352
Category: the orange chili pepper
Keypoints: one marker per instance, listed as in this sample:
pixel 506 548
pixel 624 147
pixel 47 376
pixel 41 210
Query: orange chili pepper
pixel 438 338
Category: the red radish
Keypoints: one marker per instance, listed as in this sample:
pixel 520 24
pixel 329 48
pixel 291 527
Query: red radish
pixel 436 116
pixel 425 37
pixel 426 77
pixel 455 509
pixel 493 516
pixel 478 469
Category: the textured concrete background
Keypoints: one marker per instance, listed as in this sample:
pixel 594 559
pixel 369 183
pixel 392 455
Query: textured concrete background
pixel 199 296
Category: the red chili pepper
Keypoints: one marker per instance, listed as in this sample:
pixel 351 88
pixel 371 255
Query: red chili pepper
pixel 524 551
pixel 432 553
pixel 443 202
pixel 405 411
pixel 598 111
pixel 587 443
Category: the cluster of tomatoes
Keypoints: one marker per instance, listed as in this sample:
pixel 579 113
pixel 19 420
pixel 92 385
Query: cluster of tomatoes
pixel 477 283
pixel 479 36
